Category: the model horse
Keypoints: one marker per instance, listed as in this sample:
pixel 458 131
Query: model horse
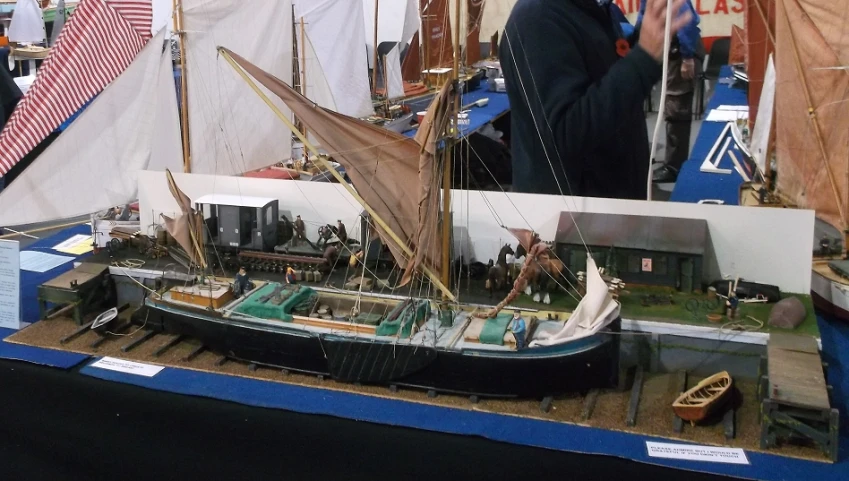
pixel 543 275
pixel 497 277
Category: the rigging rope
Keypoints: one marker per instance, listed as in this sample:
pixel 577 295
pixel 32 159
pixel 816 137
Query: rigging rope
pixel 667 41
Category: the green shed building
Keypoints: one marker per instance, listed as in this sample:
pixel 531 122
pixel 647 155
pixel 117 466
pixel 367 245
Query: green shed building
pixel 647 250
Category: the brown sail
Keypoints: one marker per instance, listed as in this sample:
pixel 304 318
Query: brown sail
pixel 411 67
pixel 436 23
pixel 186 228
pixel 760 44
pixel 383 165
pixel 812 91
pixel 473 30
pixel 433 128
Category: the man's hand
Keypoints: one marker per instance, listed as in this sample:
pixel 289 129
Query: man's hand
pixel 688 68
pixel 654 24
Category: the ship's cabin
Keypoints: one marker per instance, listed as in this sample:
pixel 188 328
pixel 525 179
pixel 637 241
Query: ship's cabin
pixel 239 222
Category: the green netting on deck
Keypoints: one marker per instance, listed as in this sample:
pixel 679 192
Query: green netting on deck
pixel 494 329
pixel 266 302
pixel 411 314
pixel 368 319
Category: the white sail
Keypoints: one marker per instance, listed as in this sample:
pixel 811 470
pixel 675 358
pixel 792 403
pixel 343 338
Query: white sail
pixel 231 130
pixel 394 79
pixel 131 126
pixel 596 310
pixel 27 23
pixel 397 21
pixel 412 21
pixel 338 41
pixel 760 134
pixel 313 79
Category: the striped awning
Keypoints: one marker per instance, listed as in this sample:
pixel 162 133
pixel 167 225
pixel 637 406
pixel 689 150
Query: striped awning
pixel 99 41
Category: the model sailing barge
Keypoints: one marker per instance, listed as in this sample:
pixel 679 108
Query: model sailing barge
pixel 389 341
pixel 365 338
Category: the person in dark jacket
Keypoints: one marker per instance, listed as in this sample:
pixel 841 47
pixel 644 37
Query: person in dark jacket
pixel 576 87
pixel 686 53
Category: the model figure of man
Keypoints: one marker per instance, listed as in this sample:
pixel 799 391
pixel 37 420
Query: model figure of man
pixel 517 327
pixel 300 230
pixel 242 284
pixel 341 232
pixel 731 306
pixel 290 275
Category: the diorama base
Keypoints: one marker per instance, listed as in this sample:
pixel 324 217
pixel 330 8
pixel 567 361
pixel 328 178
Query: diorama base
pixel 518 422
pixel 566 425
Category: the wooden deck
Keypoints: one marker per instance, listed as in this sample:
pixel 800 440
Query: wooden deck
pixel 795 372
pixel 794 394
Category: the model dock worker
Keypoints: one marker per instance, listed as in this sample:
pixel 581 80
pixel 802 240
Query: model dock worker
pixel 576 87
pixel 686 54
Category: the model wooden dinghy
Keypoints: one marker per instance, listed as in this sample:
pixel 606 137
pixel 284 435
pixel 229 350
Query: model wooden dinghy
pixel 697 403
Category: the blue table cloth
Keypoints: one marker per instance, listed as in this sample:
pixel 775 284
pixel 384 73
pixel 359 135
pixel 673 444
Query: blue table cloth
pixel 694 185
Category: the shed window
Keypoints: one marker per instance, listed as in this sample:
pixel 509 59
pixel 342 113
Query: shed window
pixel 634 264
pixel 268 218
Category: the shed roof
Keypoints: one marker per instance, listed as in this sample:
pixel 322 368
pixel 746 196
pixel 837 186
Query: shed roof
pixel 235 200
pixel 650 233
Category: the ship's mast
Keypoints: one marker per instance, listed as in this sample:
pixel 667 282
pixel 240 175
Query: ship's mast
pixel 374 50
pixel 447 168
pixel 184 108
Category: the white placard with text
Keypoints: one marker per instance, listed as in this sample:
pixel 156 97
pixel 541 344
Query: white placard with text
pixel 10 284
pixel 693 452
pixel 129 367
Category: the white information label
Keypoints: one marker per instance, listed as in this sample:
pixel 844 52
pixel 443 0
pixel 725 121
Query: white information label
pixel 42 262
pixel 129 367
pixel 693 452
pixel 10 285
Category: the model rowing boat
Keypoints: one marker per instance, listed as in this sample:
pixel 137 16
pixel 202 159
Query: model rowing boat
pixel 697 403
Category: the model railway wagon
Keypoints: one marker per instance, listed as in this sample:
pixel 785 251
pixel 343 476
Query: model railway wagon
pixel 249 231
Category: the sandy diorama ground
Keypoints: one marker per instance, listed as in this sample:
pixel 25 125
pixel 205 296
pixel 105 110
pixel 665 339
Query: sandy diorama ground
pixel 654 415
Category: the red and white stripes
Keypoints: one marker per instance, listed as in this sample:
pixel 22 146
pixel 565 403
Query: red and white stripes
pixel 99 41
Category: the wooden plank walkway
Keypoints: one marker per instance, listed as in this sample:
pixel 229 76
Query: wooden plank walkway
pixel 795 372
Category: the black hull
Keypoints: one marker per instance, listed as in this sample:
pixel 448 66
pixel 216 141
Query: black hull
pixel 577 366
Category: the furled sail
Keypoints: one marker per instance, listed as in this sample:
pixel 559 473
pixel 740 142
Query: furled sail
pixel 99 41
pixel 186 228
pixel 131 126
pixel 344 64
pixel 434 127
pixel 812 91
pixel 593 313
pixel 27 23
pixel 231 131
pixel 383 165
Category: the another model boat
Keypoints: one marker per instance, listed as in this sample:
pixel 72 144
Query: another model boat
pixel 811 152
pixel 703 399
